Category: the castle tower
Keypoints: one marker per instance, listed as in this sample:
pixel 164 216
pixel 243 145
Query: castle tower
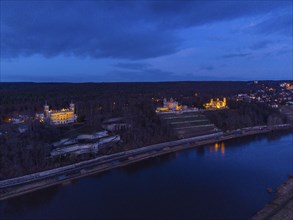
pixel 72 107
pixel 46 110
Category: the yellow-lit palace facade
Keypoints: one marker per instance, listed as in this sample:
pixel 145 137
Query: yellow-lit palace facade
pixel 216 104
pixel 60 117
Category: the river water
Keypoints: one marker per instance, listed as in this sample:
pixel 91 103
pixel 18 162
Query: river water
pixel 227 180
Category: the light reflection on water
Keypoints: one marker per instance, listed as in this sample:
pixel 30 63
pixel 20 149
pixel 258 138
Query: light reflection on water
pixel 223 148
pixel 217 147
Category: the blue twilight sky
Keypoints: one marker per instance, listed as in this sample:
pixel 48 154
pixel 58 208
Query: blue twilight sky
pixel 106 41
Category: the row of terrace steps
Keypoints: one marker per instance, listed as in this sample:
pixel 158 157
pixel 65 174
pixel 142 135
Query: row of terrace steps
pixel 189 124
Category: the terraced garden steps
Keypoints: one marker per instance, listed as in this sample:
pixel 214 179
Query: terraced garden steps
pixel 189 124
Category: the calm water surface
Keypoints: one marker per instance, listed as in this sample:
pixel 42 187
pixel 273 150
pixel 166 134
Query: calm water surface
pixel 227 180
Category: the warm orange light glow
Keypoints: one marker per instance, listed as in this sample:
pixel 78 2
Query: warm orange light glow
pixel 169 106
pixel 7 120
pixel 223 148
pixel 216 104
pixel 216 147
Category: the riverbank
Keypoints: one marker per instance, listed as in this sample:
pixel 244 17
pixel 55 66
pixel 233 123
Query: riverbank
pixel 64 174
pixel 281 207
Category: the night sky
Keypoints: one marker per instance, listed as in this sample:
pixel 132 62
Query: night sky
pixel 107 41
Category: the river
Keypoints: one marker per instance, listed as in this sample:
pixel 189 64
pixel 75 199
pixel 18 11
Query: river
pixel 226 180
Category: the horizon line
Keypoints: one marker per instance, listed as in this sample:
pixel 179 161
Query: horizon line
pixel 147 81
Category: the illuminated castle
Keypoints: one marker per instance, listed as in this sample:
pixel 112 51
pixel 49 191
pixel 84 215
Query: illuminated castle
pixel 216 104
pixel 169 106
pixel 58 117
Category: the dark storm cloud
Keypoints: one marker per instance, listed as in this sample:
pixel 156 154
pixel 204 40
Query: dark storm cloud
pixel 80 29
pixel 111 29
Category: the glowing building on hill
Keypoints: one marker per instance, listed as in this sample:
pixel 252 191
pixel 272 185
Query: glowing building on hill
pixel 216 104
pixel 286 85
pixel 170 105
pixel 58 117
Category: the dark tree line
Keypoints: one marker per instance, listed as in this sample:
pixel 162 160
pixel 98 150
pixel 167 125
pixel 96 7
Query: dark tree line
pixel 30 97
pixel 242 115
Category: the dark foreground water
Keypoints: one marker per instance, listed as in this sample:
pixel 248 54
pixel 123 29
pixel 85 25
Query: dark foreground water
pixel 220 181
